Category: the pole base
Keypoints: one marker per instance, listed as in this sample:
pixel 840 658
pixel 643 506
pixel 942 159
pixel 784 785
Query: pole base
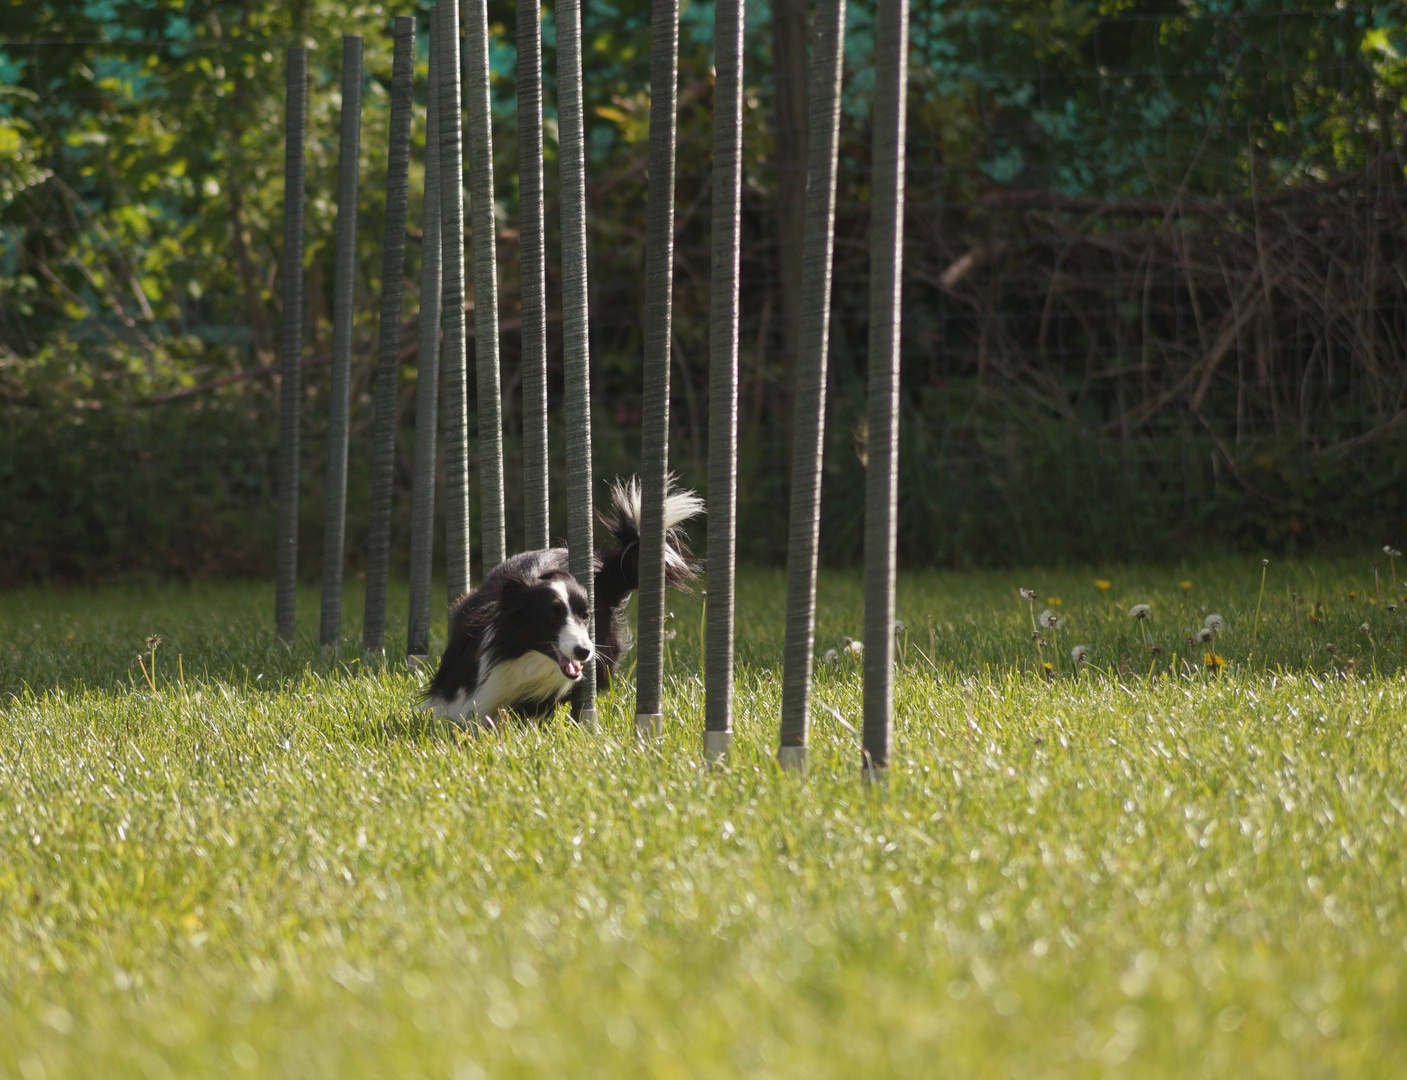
pixel 416 661
pixel 587 719
pixel 649 727
pixel 716 746
pixel 876 776
pixel 793 759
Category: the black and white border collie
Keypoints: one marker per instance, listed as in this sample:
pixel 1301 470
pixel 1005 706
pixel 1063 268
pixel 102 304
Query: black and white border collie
pixel 519 641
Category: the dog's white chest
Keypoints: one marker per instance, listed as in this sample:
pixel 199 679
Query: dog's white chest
pixel 530 677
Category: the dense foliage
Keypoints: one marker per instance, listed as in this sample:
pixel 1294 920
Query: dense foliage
pixel 1150 292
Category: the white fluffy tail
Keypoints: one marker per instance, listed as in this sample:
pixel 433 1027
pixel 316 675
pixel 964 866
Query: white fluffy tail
pixel 679 505
pixel 624 513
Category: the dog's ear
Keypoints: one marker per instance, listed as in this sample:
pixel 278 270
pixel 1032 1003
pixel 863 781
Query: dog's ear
pixel 514 589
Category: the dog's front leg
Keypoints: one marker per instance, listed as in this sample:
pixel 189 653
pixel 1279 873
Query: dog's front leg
pixel 463 712
pixel 476 723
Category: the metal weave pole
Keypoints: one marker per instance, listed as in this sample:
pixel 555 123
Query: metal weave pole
pixel 881 473
pixel 388 362
pixel 334 521
pixel 452 351
pixel 659 290
pixel 576 353
pixel 533 275
pixel 808 440
pixel 723 375
pixel 291 346
pixel 476 40
pixel 427 384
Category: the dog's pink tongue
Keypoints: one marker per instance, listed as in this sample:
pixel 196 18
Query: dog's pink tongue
pixel 570 668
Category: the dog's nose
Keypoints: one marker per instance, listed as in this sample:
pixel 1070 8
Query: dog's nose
pixel 582 652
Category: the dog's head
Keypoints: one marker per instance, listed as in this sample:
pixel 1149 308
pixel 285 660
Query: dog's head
pixel 547 615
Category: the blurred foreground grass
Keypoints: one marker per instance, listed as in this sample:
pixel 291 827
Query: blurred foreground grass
pixel 280 868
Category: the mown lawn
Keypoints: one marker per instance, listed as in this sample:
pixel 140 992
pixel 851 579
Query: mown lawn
pixel 273 865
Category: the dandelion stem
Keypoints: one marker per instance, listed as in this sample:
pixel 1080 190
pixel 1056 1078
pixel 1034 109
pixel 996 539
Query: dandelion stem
pixel 1035 634
pixel 1255 625
pixel 144 671
pixel 703 631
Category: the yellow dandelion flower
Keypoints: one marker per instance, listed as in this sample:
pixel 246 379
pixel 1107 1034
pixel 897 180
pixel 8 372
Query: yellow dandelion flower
pixel 1185 585
pixel 1214 661
pixel 1053 601
pixel 1102 585
pixel 1048 669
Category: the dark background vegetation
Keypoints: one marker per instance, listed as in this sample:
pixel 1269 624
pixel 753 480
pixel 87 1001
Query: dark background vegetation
pixel 1154 285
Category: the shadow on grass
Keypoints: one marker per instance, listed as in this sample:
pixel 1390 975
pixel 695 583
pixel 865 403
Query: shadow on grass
pixel 1320 617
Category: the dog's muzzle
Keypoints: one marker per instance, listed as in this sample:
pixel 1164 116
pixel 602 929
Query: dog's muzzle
pixel 571 666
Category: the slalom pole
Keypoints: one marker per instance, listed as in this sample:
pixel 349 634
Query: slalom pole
pixel 427 379
pixel 654 442
pixel 881 472
pixel 490 442
pixel 575 341
pixel 452 347
pixel 532 274
pixel 388 362
pixel 334 523
pixel 291 345
pixel 723 377
pixel 809 428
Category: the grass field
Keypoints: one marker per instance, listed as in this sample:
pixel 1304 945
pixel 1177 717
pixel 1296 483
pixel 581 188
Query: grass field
pixel 269 864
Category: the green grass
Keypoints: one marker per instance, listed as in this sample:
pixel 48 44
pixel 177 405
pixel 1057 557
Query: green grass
pixel 280 868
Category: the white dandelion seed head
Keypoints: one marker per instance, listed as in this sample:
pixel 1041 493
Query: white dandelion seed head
pixel 1048 619
pixel 1028 594
pixel 1079 654
pixel 1214 623
pixel 1393 553
pixel 670 635
pixel 857 648
pixel 832 657
pixel 1366 629
pixel 900 626
pixel 1140 611
pixel 1205 634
